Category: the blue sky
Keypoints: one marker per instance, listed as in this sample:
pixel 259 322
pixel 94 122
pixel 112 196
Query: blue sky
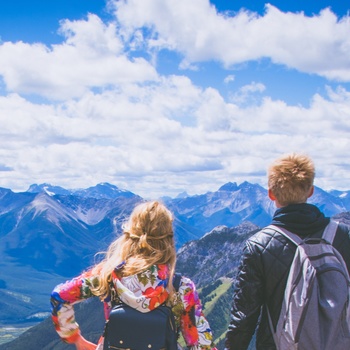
pixel 165 96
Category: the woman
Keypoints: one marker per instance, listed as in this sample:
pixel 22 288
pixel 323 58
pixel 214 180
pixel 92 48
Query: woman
pixel 145 258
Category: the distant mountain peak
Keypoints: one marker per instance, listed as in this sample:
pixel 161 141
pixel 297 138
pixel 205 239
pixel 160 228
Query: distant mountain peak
pixel 246 184
pixel 48 189
pixel 229 187
pixel 182 195
pixel 219 228
pixel 104 190
pixel 107 185
pixel 44 203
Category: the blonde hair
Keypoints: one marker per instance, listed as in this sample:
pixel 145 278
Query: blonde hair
pixel 147 240
pixel 290 178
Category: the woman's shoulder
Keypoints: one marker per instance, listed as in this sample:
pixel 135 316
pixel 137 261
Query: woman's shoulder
pixel 186 284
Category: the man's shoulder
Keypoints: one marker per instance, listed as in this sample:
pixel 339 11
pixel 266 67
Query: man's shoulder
pixel 265 236
pixel 270 246
pixel 264 232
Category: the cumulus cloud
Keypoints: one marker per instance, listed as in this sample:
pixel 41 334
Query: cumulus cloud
pixel 319 44
pixel 92 56
pixel 114 118
pixel 247 93
pixel 142 136
pixel 229 78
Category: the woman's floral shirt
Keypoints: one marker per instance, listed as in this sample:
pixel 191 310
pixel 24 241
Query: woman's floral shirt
pixel 144 292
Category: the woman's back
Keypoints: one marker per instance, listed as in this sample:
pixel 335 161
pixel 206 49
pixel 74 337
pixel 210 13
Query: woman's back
pixel 137 270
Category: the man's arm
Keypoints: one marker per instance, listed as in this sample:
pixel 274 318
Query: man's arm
pixel 247 301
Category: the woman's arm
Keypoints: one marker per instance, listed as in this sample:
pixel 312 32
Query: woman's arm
pixel 63 297
pixel 82 344
pixel 193 324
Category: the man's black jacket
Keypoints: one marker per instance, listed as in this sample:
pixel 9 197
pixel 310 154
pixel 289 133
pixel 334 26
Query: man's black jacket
pixel 263 273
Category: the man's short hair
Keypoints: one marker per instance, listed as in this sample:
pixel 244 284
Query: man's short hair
pixel 290 178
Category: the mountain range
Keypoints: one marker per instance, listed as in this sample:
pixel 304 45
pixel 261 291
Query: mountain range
pixel 49 234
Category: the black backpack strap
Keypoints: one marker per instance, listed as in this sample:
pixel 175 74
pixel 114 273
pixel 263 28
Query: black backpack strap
pixel 177 281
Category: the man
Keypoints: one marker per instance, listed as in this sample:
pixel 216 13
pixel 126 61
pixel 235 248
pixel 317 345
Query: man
pixel 267 256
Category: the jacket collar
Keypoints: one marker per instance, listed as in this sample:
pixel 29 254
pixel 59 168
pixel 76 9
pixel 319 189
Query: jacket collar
pixel 303 219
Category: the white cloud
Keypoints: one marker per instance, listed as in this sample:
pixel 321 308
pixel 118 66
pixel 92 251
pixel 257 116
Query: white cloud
pixel 247 93
pixel 91 56
pixel 165 137
pixel 118 120
pixel 319 44
pixel 229 78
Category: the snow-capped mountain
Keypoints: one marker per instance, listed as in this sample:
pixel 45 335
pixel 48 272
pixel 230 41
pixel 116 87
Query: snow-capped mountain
pixel 101 190
pixel 48 189
pixel 344 196
pixel 233 204
pixel 104 190
pixel 45 238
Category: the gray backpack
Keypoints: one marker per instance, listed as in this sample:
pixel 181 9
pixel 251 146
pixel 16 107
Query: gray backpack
pixel 315 312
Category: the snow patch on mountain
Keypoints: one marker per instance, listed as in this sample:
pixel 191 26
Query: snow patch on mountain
pixel 91 216
pixel 53 211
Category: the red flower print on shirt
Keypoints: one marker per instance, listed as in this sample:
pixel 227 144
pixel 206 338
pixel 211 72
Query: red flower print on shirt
pixel 163 272
pixel 72 292
pixel 189 298
pixel 190 330
pixel 156 295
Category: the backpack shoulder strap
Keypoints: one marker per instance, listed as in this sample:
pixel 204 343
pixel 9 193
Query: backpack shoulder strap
pixel 177 281
pixel 290 235
pixel 330 231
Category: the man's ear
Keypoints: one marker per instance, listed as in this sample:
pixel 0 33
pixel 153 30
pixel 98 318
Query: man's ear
pixel 311 192
pixel 271 195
